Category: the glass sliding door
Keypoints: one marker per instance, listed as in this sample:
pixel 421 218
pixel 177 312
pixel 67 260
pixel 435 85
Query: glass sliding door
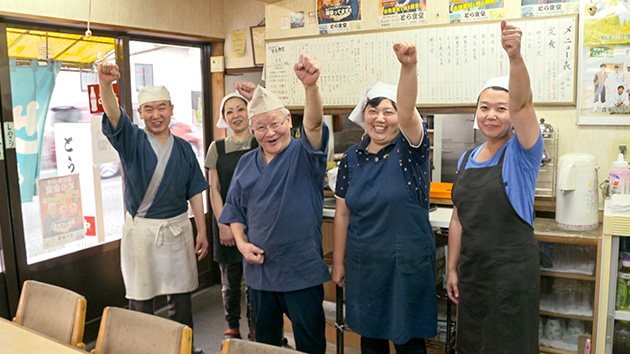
pixel 67 190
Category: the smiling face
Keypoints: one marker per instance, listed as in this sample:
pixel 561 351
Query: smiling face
pixel 63 211
pixel 235 113
pixel 381 121
pixel 493 115
pixel 272 131
pixel 157 116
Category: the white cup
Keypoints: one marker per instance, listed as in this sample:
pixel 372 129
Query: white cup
pixel 554 329
pixel 575 327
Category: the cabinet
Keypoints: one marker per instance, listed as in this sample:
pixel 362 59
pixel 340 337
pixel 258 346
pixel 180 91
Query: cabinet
pixel 616 228
pixel 584 252
pixel 573 302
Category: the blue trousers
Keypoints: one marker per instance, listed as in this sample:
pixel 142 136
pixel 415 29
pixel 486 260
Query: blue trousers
pixel 304 309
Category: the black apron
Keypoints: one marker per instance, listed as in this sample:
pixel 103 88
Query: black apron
pixel 226 164
pixel 499 274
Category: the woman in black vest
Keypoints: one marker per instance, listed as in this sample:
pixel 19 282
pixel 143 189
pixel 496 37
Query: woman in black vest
pixel 221 161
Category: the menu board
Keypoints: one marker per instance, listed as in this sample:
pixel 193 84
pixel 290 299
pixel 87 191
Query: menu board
pixel 454 61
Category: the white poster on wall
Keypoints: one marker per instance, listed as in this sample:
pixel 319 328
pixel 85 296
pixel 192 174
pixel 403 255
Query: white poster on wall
pixel 102 150
pixel 604 91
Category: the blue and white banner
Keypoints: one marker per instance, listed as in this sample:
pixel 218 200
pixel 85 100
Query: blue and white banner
pixel 31 88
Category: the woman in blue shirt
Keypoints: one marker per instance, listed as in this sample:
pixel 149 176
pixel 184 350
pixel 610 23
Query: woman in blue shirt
pixel 493 256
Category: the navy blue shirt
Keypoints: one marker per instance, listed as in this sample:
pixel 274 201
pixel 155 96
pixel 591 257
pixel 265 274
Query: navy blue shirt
pixel 414 163
pixel 281 206
pixel 182 179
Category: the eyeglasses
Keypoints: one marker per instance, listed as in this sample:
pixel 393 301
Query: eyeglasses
pixel 263 128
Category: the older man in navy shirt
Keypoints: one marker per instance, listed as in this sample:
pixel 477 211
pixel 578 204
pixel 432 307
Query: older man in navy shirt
pixel 274 208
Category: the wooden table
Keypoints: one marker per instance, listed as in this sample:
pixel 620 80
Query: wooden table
pixel 16 339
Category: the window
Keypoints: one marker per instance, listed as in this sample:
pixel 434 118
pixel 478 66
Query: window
pixel 144 75
pixel 64 198
pixel 178 68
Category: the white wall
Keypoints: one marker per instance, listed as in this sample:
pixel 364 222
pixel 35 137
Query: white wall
pixel 241 14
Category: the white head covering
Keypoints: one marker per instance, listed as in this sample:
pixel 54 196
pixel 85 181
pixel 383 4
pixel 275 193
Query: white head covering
pixel 263 101
pixel 379 89
pixel 501 81
pixel 153 93
pixel 222 123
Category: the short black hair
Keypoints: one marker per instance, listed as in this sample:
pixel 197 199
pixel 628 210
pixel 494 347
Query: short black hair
pixel 497 88
pixel 621 87
pixel 374 102
pixel 602 65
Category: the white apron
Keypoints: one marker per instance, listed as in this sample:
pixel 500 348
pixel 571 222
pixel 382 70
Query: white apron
pixel 158 257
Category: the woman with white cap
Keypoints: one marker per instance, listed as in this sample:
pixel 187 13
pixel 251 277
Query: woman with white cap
pixel 382 229
pixel 493 255
pixel 221 161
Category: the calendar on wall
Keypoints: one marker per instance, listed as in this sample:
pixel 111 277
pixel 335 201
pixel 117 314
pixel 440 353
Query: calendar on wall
pixel 454 61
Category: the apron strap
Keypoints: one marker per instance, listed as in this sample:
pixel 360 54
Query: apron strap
pixel 469 152
pixel 163 154
pixel 175 230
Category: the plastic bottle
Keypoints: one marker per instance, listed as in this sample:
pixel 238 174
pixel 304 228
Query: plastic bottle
pixel 621 338
pixel 622 300
pixel 618 176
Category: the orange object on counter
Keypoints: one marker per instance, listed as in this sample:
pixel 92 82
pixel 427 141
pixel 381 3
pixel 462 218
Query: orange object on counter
pixel 441 190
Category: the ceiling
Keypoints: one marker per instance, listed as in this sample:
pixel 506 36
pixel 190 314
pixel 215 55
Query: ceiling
pixel 71 49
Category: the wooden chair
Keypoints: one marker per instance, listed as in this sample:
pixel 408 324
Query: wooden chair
pixel 241 346
pixel 126 331
pixel 53 311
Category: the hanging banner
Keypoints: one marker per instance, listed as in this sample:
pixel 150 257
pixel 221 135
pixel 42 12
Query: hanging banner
pixel 61 210
pixel 475 10
pixel 338 16
pixel 31 88
pixel 400 13
pixel 605 70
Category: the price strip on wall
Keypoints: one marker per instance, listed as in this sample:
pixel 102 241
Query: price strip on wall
pixel 8 141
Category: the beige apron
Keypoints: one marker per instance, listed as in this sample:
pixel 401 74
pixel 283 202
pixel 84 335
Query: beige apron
pixel 158 257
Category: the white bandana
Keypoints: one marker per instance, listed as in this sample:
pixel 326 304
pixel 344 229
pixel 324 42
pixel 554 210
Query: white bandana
pixel 379 89
pixel 501 81
pixel 222 123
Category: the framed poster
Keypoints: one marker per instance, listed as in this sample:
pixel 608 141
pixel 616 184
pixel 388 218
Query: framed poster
pixel 258 44
pixel 605 64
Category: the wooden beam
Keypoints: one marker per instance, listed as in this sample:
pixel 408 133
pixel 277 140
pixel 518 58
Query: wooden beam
pixel 218 91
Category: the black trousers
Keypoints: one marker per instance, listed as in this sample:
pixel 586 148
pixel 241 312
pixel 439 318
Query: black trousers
pixel 231 277
pixel 304 309
pixel 179 307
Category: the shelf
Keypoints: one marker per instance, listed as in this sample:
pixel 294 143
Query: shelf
pixel 567 275
pixel 622 315
pixel 555 314
pixel 555 351
pixel 572 240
